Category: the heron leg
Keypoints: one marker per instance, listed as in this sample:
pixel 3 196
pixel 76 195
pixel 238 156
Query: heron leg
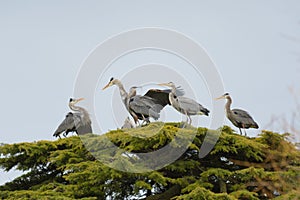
pixel 244 130
pixel 145 120
pixel 136 120
pixel 187 119
pixel 240 131
pixel 190 120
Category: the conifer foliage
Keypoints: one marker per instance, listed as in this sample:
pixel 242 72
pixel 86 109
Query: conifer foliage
pixel 266 167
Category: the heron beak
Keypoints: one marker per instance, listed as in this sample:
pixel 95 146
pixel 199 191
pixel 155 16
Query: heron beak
pixel 221 97
pixel 108 85
pixel 80 99
pixel 164 84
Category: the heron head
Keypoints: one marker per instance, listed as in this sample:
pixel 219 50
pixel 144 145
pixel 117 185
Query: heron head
pixel 74 101
pixel 132 91
pixel 111 82
pixel 224 96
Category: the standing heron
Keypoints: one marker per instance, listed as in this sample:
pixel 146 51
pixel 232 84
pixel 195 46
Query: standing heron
pixel 78 122
pixel 143 107
pixel 185 105
pixel 139 107
pixel 238 117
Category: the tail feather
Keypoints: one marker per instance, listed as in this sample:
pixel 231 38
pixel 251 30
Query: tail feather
pixel 255 125
pixel 205 111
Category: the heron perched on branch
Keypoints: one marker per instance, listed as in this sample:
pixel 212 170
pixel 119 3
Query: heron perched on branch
pixel 78 122
pixel 142 107
pixel 183 104
pixel 238 117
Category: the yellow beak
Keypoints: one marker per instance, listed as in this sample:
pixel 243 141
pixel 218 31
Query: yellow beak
pixel 80 99
pixel 221 97
pixel 164 84
pixel 108 85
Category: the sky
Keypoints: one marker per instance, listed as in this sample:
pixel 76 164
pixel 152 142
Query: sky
pixel 253 44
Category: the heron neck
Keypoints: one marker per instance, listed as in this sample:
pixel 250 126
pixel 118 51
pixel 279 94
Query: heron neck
pixel 123 93
pixel 228 104
pixel 81 110
pixel 132 94
pixel 76 108
pixel 172 94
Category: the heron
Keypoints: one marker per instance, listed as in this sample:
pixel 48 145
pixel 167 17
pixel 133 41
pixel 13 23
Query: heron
pixel 138 106
pixel 183 104
pixel 238 117
pixel 143 107
pixel 78 122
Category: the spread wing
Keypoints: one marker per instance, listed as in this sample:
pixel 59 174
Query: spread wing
pixel 162 96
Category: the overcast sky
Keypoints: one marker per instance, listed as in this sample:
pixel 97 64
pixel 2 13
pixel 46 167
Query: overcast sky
pixel 44 43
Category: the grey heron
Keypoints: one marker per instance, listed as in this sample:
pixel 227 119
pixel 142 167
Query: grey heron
pixel 143 107
pixel 238 117
pixel 78 122
pixel 139 107
pixel 183 104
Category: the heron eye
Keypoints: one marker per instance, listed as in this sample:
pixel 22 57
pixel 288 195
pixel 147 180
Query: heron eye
pixel 112 78
pixel 71 99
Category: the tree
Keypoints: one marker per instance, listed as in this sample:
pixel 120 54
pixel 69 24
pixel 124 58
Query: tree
pixel 238 167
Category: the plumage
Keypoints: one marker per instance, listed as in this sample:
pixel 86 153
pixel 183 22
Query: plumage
pixel 238 117
pixel 191 106
pixel 78 122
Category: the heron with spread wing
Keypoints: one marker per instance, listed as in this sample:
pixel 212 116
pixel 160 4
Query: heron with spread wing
pixel 142 107
pixel 183 104
pixel 238 117
pixel 78 122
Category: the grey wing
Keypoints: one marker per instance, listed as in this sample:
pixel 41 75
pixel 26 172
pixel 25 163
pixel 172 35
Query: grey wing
pixel 81 126
pixel 144 107
pixel 138 106
pixel 244 118
pixel 67 125
pixel 151 103
pixel 191 106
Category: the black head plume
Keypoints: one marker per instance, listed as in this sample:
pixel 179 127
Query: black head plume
pixel 226 94
pixel 71 99
pixel 111 79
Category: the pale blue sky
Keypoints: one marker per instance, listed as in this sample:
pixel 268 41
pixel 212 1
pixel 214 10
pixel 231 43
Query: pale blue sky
pixel 43 44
